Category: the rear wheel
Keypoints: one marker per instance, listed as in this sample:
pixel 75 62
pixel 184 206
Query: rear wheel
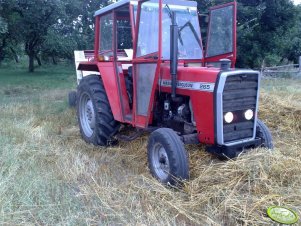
pixel 263 132
pixel 96 121
pixel 167 157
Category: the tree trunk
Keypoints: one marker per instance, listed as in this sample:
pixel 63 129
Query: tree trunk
pixel 1 55
pixel 30 49
pixel 2 46
pixel 31 63
pixel 54 61
pixel 16 57
pixel 38 60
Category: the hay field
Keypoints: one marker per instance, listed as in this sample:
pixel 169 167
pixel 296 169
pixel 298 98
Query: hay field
pixel 50 176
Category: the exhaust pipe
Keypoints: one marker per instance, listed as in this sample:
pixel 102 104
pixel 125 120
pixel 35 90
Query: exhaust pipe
pixel 174 35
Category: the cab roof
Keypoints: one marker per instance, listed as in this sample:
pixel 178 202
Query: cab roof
pixel 124 2
pixel 112 6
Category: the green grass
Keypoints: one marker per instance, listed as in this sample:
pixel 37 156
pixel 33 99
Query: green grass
pixel 45 77
pixel 50 176
pixel 30 189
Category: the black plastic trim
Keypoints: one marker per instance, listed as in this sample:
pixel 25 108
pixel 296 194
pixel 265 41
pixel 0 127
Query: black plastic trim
pixel 233 151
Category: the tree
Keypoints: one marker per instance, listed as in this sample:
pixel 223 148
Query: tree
pixel 3 37
pixel 58 44
pixel 74 30
pixel 265 32
pixel 268 31
pixel 33 21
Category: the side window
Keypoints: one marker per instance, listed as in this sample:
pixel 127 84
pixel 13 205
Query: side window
pixel 220 37
pixel 148 29
pixel 124 34
pixel 106 32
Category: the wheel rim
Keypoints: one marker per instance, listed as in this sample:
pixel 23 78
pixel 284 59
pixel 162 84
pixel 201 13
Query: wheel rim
pixel 160 161
pixel 87 115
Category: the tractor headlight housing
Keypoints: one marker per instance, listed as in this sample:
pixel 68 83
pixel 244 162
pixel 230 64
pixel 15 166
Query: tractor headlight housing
pixel 229 117
pixel 249 114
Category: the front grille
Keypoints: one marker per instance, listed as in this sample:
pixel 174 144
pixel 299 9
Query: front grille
pixel 239 95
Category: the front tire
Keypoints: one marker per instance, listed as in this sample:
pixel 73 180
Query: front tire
pixel 96 121
pixel 167 157
pixel 263 132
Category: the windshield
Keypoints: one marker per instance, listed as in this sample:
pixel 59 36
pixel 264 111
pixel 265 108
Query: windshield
pixel 189 43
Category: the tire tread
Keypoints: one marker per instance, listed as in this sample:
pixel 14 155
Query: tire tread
pixel 178 158
pixel 107 126
pixel 264 133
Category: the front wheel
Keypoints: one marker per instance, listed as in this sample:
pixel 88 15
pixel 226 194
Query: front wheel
pixel 167 157
pixel 263 132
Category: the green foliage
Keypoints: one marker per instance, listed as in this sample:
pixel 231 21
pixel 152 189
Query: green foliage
pixel 52 28
pixel 266 32
pixel 269 31
pixel 58 44
pixel 3 26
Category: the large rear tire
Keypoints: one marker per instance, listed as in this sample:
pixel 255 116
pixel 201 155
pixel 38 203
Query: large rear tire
pixel 167 157
pixel 95 118
pixel 263 132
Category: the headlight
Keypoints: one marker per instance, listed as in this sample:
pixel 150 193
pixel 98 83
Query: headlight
pixel 229 117
pixel 249 114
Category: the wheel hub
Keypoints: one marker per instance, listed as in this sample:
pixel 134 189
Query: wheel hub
pixel 160 162
pixel 87 115
pixel 90 113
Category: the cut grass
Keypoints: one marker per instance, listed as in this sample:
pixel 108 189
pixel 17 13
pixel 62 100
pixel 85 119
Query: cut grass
pixel 49 175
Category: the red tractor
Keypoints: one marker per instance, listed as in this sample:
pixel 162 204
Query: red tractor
pixel 149 71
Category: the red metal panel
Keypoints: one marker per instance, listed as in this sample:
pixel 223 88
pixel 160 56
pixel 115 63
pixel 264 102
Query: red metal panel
pixel 96 41
pixel 135 38
pixel 203 109
pixel 193 74
pixel 109 78
pixel 202 102
pixel 140 121
pixel 132 19
pixel 124 95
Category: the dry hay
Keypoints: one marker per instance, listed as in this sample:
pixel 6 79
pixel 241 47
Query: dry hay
pixel 234 192
pixel 239 191
pixel 220 192
pixel 62 180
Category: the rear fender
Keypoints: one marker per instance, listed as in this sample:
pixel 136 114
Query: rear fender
pixel 107 72
pixel 109 77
